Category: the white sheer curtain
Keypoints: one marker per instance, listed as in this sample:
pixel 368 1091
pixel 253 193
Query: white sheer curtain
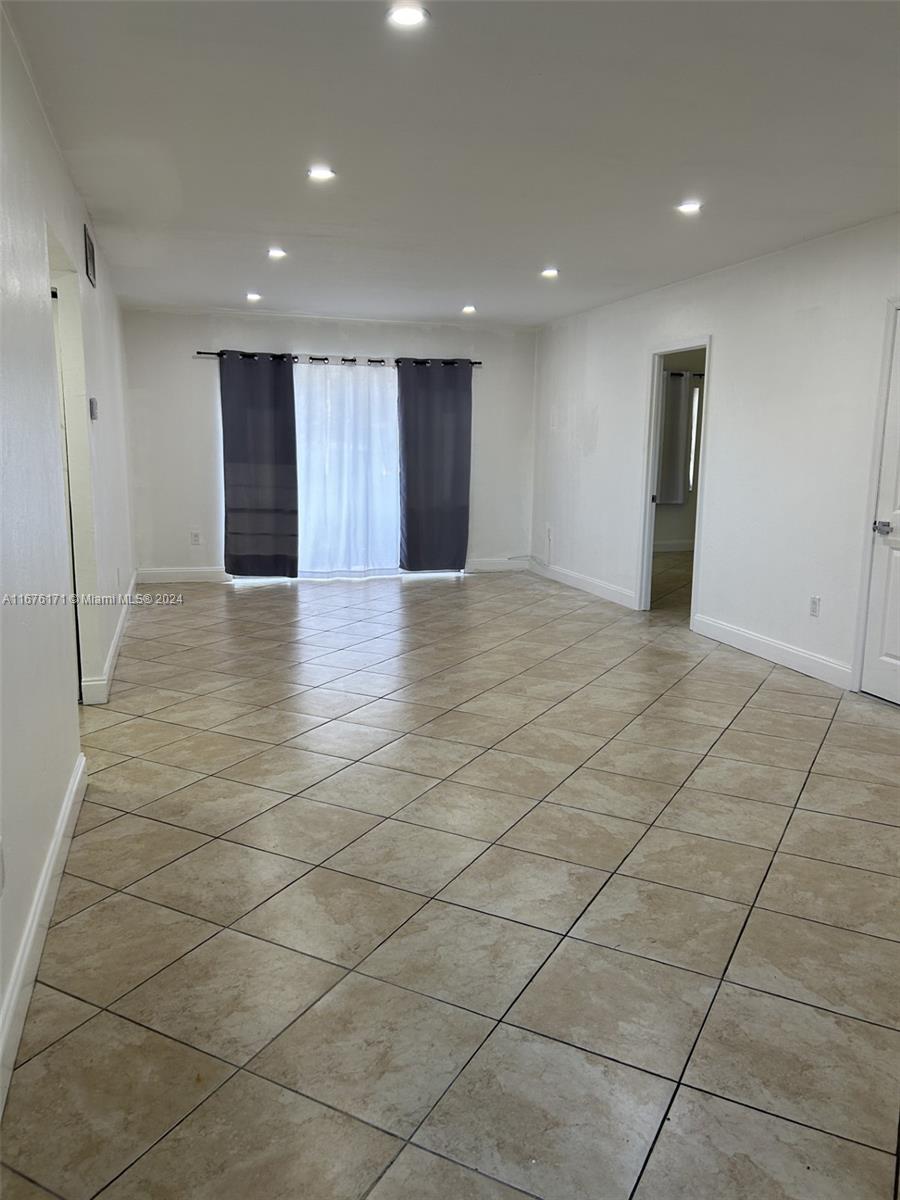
pixel 348 467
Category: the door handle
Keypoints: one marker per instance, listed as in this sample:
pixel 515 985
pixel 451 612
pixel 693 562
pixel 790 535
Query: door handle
pixel 885 528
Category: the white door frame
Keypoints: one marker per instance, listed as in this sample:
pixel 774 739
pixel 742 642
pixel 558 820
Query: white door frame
pixel 651 468
pixel 893 307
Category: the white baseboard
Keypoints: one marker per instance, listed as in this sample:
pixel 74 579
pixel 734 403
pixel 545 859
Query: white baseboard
pixel 28 953
pixel 182 575
pixel 519 563
pixel 805 661
pixel 670 547
pixel 596 587
pixel 95 688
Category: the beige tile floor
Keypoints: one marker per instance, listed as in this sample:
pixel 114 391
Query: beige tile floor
pixel 467 890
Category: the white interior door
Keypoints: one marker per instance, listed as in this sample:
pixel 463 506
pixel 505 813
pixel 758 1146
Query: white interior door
pixel 881 663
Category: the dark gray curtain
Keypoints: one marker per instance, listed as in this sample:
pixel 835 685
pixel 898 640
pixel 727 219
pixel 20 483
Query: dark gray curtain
pixel 435 404
pixel 260 451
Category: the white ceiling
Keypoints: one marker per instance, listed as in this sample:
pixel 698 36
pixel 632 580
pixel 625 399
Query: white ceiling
pixel 502 137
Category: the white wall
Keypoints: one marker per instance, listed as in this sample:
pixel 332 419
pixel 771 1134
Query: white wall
pixel 792 393
pixel 41 769
pixel 176 427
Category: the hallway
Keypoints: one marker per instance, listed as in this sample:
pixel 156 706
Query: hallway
pixel 466 889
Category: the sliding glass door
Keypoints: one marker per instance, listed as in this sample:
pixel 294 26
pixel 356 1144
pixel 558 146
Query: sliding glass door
pixel 348 466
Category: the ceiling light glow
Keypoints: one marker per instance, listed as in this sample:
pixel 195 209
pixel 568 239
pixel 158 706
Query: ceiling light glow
pixel 320 172
pixel 252 297
pixel 277 252
pixel 550 273
pixel 406 15
pixel 690 208
pixel 468 309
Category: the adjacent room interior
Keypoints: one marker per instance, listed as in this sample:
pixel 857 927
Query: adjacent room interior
pixel 675 448
pixel 451 600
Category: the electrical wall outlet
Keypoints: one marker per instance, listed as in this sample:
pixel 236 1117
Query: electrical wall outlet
pixel 196 539
pixel 815 605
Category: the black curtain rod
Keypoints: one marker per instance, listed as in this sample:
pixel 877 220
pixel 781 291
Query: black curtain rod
pixel 332 359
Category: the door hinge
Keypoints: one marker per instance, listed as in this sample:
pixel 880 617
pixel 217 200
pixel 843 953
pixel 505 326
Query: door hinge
pixel 885 528
pixel 653 498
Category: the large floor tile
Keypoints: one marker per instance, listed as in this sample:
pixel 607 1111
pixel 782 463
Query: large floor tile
pixel 852 973
pixel 474 729
pixel 139 735
pixel 584 1131
pixel 332 916
pixel 202 712
pixel 212 805
pixel 375 1051
pixel 230 996
pixel 283 768
pixel 714 867
pixel 467 958
pixel 119 852
pixel 255 1138
pixel 852 798
pixel 206 752
pixel 617 795
pixel 843 896
pixel 779 724
pixel 269 725
pixel 554 745
pixel 864 765
pixel 344 739
pixel 633 1009
pixel 532 888
pixel 324 702
pixel 645 762
pixel 51 1015
pixel 669 735
pixel 471 811
pixel 408 856
pixel 761 748
pixel 379 790
pixel 74 895
pixel 425 755
pixel 665 923
pixel 107 1091
pixel 799 1062
pixel 711 1149
pixel 108 949
pixel 852 735
pixel 91 816
pixel 396 714
pixel 304 829
pixel 822 707
pixel 220 882
pixel 130 784
pixel 753 781
pixel 728 817
pixel 417 1175
pixel 519 774
pixel 845 840
pixel 591 839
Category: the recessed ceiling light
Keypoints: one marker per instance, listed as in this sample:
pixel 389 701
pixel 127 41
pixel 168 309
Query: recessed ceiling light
pixel 468 309
pixel 407 15
pixel 320 172
pixel 690 208
pixel 253 297
pixel 550 273
pixel 277 252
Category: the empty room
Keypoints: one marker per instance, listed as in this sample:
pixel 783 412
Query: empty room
pixel 450 466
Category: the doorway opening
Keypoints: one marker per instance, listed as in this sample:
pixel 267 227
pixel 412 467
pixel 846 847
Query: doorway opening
pixel 74 435
pixel 881 646
pixel 676 431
